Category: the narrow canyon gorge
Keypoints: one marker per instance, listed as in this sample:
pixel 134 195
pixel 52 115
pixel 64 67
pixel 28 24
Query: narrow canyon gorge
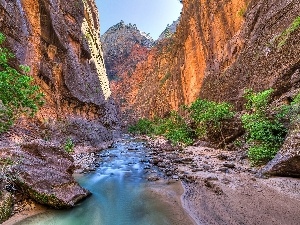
pixel 97 88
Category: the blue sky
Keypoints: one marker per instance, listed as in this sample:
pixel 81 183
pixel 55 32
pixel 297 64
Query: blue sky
pixel 150 16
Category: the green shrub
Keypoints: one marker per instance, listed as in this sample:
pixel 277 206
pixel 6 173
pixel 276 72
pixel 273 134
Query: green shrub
pixel 265 134
pixel 143 126
pixel 17 94
pixel 208 115
pixel 69 145
pixel 174 129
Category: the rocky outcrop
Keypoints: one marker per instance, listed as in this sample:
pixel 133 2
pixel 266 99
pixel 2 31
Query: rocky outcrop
pixel 60 41
pixel 44 172
pixel 124 46
pixel 174 71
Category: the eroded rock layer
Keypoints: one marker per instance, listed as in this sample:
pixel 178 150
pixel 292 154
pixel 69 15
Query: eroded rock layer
pixel 60 41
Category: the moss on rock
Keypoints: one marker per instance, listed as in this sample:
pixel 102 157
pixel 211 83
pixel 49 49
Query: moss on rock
pixel 6 205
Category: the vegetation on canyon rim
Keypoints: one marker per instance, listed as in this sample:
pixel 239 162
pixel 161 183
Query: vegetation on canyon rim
pixel 18 96
pixel 265 126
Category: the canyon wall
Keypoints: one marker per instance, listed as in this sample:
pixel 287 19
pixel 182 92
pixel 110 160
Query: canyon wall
pixel 220 48
pixel 60 41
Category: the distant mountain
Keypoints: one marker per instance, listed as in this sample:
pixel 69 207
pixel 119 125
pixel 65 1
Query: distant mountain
pixel 169 31
pixel 118 43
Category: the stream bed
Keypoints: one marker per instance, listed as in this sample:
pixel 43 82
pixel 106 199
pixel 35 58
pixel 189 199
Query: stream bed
pixel 120 193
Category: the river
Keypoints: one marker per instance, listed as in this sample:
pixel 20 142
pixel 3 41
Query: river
pixel 121 193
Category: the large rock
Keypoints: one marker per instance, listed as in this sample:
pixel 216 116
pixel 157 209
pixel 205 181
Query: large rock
pixel 60 41
pixel 287 160
pixel 44 173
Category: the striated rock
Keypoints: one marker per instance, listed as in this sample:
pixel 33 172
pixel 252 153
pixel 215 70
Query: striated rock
pixel 173 73
pixel 44 172
pixel 60 41
pixel 287 161
pixel 6 205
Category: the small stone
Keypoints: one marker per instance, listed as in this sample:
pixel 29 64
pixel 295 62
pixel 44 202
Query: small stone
pixel 229 165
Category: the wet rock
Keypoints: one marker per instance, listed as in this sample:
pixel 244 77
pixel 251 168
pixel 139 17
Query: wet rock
pixel 175 177
pixel 45 175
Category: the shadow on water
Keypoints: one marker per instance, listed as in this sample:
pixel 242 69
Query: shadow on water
pixel 119 194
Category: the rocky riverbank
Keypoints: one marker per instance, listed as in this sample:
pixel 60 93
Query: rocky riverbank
pixel 210 185
pixel 222 188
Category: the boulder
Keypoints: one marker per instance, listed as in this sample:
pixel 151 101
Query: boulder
pixel 44 172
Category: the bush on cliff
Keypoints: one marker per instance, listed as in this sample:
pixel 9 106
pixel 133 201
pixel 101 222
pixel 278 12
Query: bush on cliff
pixel 208 117
pixel 17 94
pixel 265 133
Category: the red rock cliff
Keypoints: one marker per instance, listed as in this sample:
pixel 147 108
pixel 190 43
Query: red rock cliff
pixel 219 49
pixel 60 41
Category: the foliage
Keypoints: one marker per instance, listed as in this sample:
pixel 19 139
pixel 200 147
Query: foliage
pixel 264 134
pixel 285 34
pixel 209 115
pixel 143 126
pixel 17 94
pixel 291 111
pixel 69 145
pixel 174 128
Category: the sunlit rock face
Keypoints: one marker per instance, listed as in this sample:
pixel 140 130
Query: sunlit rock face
pixel 60 41
pixel 219 49
pixel 206 37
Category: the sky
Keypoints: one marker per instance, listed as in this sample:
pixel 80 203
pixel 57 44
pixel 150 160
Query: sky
pixel 150 16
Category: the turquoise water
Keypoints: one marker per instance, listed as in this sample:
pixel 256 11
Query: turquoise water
pixel 119 194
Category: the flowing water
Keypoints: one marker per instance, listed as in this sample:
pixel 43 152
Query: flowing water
pixel 119 194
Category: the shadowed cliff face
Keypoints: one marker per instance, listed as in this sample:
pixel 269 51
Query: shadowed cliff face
pixel 60 41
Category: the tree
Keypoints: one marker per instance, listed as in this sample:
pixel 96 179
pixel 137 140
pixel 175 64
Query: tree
pixel 18 96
